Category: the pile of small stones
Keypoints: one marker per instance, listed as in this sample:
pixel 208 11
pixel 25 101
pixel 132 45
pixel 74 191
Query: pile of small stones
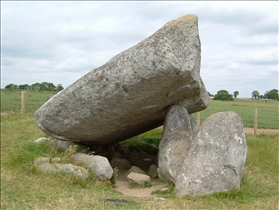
pixel 101 161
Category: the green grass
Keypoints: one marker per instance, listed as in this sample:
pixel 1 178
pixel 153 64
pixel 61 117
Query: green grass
pixel 11 100
pixel 22 187
pixel 268 112
pixel 146 184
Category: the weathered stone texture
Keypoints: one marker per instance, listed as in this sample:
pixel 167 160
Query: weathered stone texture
pixel 130 93
pixel 99 165
pixel 216 159
pixel 152 171
pixel 120 163
pixel 138 178
pixel 175 143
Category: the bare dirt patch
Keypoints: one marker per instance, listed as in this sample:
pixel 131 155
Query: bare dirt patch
pixel 143 160
pixel 6 113
pixel 123 187
pixel 262 131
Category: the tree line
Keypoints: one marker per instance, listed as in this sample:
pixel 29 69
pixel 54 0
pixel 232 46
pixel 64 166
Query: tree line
pixel 271 94
pixel 45 86
pixel 224 95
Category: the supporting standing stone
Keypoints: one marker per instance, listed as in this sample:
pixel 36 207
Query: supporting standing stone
pixel 216 159
pixel 179 132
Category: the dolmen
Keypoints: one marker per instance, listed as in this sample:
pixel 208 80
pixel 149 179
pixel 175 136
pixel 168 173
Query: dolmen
pixel 156 82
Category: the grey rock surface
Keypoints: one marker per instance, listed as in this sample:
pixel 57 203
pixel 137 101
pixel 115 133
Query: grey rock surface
pixel 99 165
pixel 151 149
pixel 55 160
pixel 41 160
pixel 216 159
pixel 130 93
pixel 138 178
pixel 101 168
pixel 179 132
pixel 120 163
pixel 152 171
pixel 41 139
pixel 80 173
pixel 81 158
pixel 135 169
pixel 46 168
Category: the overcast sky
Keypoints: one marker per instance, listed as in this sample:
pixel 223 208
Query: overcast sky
pixel 59 42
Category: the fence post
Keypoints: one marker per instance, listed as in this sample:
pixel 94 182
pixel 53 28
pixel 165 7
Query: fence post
pixel 198 120
pixel 23 102
pixel 256 121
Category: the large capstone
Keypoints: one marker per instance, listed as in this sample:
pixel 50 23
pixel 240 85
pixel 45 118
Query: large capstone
pixel 130 93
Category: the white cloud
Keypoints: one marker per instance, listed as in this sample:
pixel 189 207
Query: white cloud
pixel 61 41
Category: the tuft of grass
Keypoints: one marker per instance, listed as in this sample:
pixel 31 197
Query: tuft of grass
pixel 25 154
pixel 146 184
pixel 138 143
pixel 114 176
pixel 167 191
pixel 116 201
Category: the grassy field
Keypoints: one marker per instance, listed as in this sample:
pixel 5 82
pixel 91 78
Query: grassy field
pixel 268 112
pixel 22 187
pixel 11 100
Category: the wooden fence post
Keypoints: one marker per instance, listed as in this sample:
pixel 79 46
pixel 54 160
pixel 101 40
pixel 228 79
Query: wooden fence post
pixel 198 120
pixel 256 121
pixel 23 102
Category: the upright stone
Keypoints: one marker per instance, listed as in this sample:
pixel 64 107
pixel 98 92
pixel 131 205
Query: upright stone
pixel 216 159
pixel 179 132
pixel 130 93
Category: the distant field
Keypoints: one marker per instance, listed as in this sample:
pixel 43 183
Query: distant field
pixel 268 112
pixel 11 100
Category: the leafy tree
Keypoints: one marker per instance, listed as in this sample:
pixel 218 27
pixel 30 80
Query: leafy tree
pixel 24 87
pixel 266 94
pixel 46 86
pixel 235 93
pixel 11 86
pixel 255 94
pixel 36 86
pixel 59 87
pixel 273 94
pixel 51 86
pixel 210 94
pixel 223 95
